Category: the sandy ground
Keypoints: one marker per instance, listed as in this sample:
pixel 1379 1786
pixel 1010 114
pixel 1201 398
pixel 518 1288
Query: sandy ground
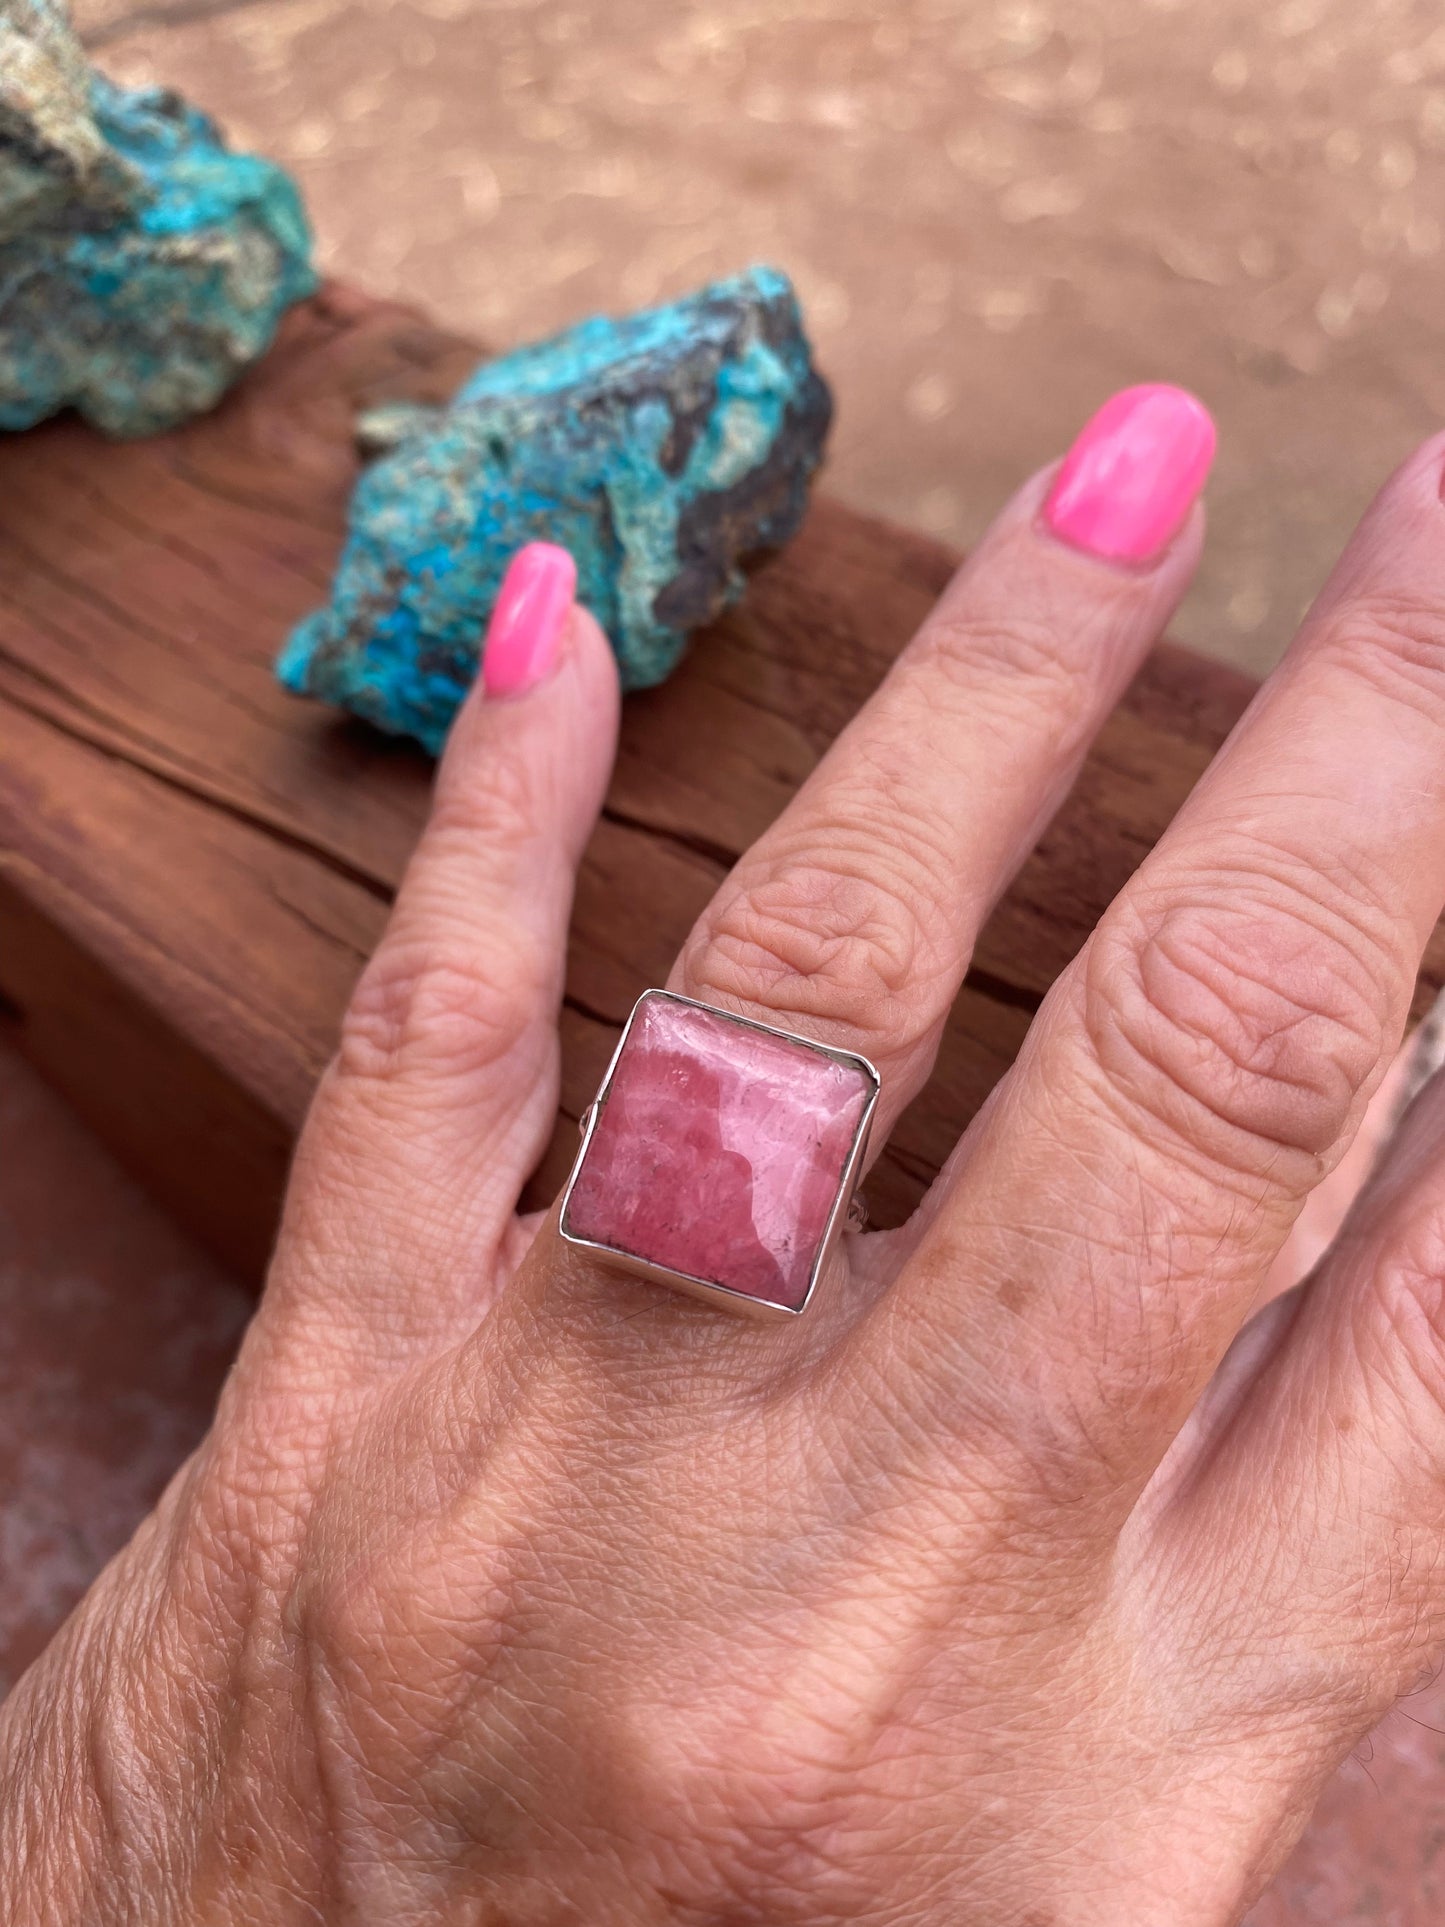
pixel 996 213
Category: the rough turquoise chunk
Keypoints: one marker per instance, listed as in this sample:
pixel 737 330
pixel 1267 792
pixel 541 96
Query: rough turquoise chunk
pixel 667 451
pixel 143 266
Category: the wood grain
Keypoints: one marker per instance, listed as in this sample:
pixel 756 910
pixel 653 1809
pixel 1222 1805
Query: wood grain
pixel 194 865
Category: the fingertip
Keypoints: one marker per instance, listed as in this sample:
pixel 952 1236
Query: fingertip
pixel 538 627
pixel 1423 470
pixel 1135 473
pixel 529 622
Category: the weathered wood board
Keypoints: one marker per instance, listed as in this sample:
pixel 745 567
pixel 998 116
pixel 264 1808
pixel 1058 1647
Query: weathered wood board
pixel 194 866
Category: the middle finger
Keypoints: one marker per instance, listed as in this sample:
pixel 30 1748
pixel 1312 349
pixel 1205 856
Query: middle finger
pixel 853 919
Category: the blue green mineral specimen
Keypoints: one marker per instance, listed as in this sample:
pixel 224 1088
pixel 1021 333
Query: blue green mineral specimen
pixel 142 265
pixel 667 451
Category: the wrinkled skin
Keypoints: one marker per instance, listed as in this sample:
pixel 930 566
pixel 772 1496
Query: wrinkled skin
pixel 1011 1587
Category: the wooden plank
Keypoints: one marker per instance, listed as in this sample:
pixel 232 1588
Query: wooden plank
pixel 194 866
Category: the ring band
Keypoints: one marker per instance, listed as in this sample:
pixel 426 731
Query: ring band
pixel 721 1156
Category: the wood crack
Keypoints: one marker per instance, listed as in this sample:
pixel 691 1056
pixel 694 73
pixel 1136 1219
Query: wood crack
pixel 1000 991
pixel 255 501
pixel 715 854
pixel 912 1166
pixel 153 533
pixel 594 1016
pixel 280 1037
pixel 326 931
pixel 105 744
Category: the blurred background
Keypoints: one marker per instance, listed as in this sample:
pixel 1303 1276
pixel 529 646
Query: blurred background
pixel 996 212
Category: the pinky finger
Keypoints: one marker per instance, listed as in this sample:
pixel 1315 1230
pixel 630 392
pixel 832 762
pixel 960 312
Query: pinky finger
pixel 1334 1447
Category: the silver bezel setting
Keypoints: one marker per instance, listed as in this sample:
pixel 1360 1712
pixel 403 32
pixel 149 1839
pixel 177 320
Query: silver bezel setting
pixel 723 1296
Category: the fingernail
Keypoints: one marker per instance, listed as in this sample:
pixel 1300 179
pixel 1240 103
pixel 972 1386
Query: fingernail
pixel 1128 483
pixel 525 635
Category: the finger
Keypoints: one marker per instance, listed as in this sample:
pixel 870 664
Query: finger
pixel 853 919
pixel 444 1091
pixel 1333 1454
pixel 1208 1058
pixel 1325 1209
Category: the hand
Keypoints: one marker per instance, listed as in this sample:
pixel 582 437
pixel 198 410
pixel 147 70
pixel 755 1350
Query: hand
pixel 1010 1587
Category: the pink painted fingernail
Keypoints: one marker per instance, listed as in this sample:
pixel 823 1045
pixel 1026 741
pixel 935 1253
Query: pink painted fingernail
pixel 529 621
pixel 1128 483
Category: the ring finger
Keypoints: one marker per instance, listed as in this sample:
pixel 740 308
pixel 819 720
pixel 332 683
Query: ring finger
pixel 1208 1059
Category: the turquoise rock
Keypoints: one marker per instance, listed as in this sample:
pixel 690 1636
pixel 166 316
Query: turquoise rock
pixel 668 452
pixel 143 266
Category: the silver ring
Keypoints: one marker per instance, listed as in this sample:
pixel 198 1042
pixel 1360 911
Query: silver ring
pixel 721 1156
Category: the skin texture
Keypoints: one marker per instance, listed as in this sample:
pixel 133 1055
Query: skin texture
pixel 1024 1583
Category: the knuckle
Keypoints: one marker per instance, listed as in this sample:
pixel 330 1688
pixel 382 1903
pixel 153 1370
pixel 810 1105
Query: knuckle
pixel 1247 1031
pixel 439 1006
pixel 841 950
pixel 1394 641
pixel 450 989
pixel 1400 1317
pixel 1016 659
pixel 498 807
pixel 1392 1380
pixel 1046 1471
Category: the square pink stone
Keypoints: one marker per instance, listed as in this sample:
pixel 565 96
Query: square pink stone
pixel 719 1151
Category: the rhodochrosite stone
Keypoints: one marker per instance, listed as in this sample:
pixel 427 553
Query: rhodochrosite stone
pixel 720 1151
